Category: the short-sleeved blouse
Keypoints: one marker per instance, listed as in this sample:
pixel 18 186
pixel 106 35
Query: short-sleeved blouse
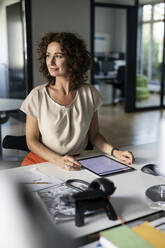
pixel 63 129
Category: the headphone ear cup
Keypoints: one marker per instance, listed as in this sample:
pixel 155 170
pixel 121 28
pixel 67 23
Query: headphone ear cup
pixel 103 184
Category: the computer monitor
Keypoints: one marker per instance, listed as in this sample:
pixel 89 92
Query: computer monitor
pixel 107 66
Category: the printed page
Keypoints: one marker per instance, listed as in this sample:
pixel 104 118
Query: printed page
pixel 35 180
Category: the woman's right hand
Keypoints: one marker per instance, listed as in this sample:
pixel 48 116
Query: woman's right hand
pixel 67 163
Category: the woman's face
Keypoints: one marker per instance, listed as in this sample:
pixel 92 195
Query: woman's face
pixel 56 60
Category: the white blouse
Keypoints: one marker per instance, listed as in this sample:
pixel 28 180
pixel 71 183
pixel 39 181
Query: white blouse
pixel 63 129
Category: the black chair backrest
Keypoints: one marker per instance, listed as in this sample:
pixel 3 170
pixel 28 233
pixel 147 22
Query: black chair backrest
pixel 19 143
pixel 121 74
pixel 15 142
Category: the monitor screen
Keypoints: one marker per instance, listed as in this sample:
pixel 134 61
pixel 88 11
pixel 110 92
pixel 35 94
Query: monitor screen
pixel 107 66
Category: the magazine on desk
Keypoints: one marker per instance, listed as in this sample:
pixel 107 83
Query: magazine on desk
pixel 51 192
pixel 58 204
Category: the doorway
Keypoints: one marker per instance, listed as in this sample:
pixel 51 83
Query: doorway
pixel 110 34
pixel 114 73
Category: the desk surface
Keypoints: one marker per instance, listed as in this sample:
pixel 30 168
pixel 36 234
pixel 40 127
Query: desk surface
pixel 8 104
pixel 104 77
pixel 129 199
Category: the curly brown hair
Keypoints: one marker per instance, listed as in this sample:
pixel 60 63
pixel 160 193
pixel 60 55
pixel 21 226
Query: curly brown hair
pixel 79 60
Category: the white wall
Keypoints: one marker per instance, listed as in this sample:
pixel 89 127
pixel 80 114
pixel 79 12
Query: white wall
pixel 104 23
pixel 104 20
pixel 120 33
pixel 113 22
pixel 55 16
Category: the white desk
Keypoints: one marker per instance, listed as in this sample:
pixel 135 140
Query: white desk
pixel 112 75
pixel 129 198
pixel 8 105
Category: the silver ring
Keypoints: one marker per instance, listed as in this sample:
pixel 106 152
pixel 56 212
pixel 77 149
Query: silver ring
pixel 67 166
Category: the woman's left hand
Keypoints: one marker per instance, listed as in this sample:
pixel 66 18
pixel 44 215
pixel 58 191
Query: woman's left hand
pixel 125 156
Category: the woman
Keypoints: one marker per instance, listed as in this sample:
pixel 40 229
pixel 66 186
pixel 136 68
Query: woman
pixel 62 113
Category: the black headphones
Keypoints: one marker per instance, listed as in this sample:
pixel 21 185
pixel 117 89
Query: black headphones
pixel 100 184
pixel 94 197
pixel 103 184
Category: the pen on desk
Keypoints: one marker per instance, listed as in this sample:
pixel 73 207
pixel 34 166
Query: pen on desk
pixel 38 183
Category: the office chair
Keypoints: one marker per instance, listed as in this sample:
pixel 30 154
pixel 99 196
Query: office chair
pixel 120 83
pixel 15 142
pixel 19 143
pixel 96 68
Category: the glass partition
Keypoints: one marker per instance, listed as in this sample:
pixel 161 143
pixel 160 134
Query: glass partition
pixel 158 12
pixel 149 55
pixel 110 53
pixel 147 12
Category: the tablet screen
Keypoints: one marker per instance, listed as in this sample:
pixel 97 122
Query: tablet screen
pixel 103 165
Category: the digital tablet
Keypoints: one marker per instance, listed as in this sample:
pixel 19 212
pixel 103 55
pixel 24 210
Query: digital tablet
pixel 103 165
